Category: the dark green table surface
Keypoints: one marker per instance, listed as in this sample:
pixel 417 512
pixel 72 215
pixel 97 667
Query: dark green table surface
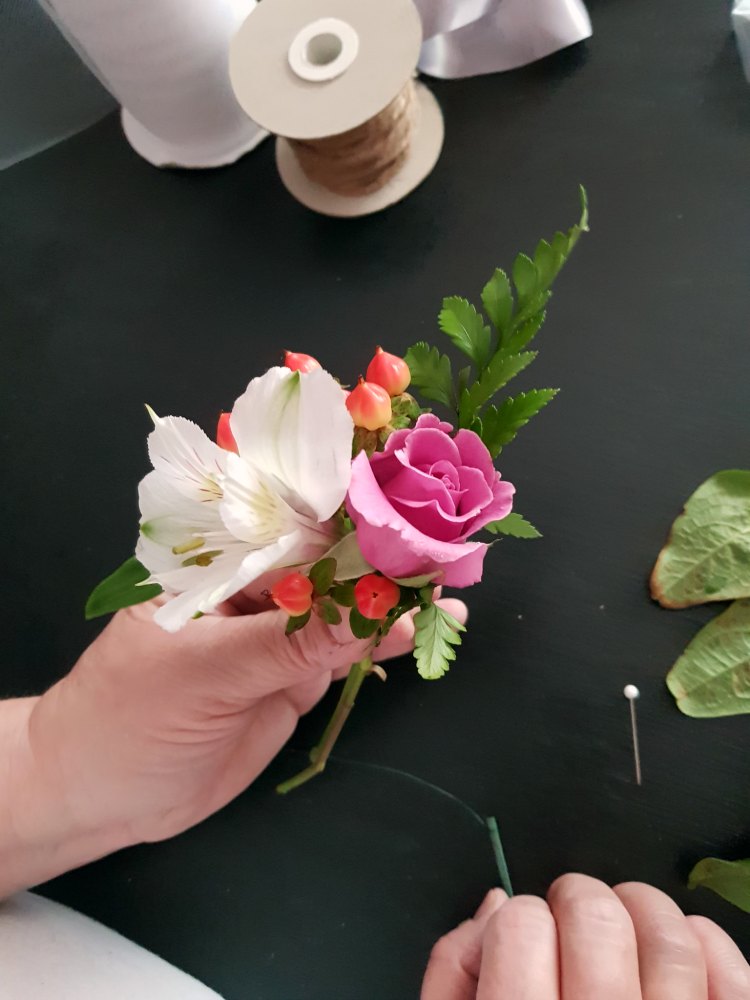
pixel 122 283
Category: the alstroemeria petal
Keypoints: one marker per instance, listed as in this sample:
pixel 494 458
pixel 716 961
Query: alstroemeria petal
pixel 252 509
pixel 296 429
pixel 184 455
pixel 218 582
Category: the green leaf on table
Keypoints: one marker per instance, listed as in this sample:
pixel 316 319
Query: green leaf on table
pixel 121 589
pixel 362 628
pixel 514 525
pixel 431 372
pixel 728 879
pixel 707 556
pixel 435 634
pixel 329 612
pixel 296 622
pixel 460 321
pixel 322 575
pixel 501 369
pixel 712 677
pixel 497 299
pixel 501 424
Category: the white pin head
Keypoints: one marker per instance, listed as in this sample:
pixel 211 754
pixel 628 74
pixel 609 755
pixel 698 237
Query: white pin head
pixel 631 692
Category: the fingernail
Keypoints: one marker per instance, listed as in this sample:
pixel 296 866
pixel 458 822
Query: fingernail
pixel 491 902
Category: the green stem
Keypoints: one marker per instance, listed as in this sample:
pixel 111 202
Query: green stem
pixel 319 754
pixel 497 848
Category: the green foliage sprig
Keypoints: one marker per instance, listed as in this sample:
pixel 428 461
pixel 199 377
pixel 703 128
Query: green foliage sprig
pixel 516 310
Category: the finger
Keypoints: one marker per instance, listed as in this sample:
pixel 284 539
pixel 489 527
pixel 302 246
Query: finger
pixel 519 953
pixel 250 656
pixel 453 968
pixel 670 956
pixel 728 972
pixel 598 953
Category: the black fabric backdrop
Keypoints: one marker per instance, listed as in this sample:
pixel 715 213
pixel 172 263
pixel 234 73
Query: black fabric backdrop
pixel 121 283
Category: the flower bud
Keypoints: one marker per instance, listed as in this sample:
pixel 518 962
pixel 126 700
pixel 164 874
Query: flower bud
pixel 224 436
pixel 376 596
pixel 293 594
pixel 300 362
pixel 390 371
pixel 369 405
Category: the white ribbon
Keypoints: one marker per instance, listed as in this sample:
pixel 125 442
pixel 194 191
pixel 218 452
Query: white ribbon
pixel 471 37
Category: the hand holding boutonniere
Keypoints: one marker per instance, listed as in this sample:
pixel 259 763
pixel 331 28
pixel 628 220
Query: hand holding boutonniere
pixel 349 506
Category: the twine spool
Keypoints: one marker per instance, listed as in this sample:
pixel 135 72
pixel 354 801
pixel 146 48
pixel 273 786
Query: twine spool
pixel 333 79
pixel 365 158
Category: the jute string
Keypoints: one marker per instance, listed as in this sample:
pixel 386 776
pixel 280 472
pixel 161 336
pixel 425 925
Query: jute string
pixel 365 158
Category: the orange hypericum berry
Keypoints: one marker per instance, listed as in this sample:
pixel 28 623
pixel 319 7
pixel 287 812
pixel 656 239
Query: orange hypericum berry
pixel 300 362
pixel 390 371
pixel 224 436
pixel 369 405
pixel 376 595
pixel 293 594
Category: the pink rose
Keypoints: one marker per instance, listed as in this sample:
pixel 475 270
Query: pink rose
pixel 416 503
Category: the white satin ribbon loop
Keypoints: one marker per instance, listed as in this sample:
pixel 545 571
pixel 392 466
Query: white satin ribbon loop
pixel 472 37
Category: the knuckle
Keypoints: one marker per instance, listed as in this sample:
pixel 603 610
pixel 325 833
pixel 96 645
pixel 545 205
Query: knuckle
pixel 672 939
pixel 318 647
pixel 601 913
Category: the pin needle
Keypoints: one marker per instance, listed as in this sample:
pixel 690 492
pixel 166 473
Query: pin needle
pixel 632 693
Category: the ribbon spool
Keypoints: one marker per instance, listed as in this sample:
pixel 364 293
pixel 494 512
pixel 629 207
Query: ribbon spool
pixel 333 80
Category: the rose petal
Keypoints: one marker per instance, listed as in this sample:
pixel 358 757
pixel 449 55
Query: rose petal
pixel 448 473
pixel 426 446
pixel 397 439
pixel 500 507
pixel 427 517
pixel 477 494
pixel 413 485
pixel 395 547
pixel 431 420
pixel 474 453
pixel 468 568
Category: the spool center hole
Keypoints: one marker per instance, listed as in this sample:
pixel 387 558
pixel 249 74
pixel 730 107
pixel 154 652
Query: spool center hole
pixel 323 49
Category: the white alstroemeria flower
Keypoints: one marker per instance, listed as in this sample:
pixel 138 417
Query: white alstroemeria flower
pixel 212 522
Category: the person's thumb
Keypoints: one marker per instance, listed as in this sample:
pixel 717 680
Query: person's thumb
pixel 253 654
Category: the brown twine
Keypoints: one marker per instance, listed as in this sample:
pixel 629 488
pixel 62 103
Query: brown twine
pixel 365 158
